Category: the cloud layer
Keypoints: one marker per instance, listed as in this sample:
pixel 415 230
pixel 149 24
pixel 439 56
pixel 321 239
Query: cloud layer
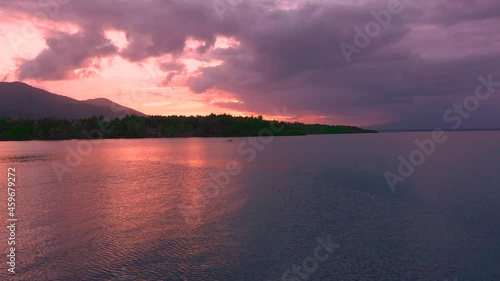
pixel 408 61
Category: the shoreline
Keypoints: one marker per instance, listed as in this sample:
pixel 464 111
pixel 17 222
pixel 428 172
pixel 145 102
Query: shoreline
pixel 190 137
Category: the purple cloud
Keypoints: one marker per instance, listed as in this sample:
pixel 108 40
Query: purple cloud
pixel 65 53
pixel 424 60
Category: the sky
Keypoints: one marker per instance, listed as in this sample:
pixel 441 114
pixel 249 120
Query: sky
pixel 384 64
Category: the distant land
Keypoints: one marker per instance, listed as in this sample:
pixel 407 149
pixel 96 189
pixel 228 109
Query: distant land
pixel 29 113
pixel 22 100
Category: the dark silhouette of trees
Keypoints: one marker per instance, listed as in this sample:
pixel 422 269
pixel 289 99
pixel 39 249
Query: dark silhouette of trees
pixel 132 126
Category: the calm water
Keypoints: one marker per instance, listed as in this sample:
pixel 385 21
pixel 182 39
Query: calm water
pixel 135 210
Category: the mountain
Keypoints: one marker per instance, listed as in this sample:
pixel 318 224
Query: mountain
pixel 22 100
pixel 113 105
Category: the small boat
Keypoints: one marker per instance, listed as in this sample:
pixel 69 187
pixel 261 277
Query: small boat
pixel 229 140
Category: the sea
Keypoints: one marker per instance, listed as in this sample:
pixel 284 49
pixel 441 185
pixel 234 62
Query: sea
pixel 387 206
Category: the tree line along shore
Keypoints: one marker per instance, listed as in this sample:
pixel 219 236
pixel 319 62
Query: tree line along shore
pixel 132 126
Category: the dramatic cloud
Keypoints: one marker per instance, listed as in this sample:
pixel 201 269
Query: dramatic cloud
pixel 173 68
pixel 66 53
pixel 405 62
